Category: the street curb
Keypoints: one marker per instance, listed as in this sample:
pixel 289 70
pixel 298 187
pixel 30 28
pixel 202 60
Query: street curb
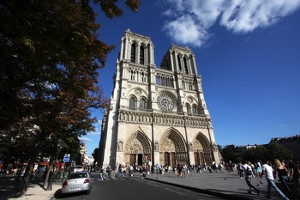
pixel 205 191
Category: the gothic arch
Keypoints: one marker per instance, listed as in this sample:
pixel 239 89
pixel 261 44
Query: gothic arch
pixel 137 148
pixel 201 149
pixel 132 103
pixel 143 102
pixel 172 148
pixel 137 91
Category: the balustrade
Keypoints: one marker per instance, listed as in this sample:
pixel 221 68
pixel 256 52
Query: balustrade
pixel 147 117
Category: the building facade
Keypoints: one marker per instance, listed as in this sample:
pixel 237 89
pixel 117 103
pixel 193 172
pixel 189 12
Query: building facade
pixel 291 143
pixel 157 115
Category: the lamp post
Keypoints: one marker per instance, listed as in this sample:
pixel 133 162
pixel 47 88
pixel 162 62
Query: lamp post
pixel 60 143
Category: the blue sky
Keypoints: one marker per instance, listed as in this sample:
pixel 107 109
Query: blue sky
pixel 247 52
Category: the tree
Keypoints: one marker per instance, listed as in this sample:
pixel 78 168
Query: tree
pixel 277 151
pixel 95 155
pixel 231 153
pixel 50 58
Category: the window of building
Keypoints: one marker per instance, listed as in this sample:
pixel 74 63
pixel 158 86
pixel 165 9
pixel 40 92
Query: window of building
pixel 142 58
pixel 132 75
pixel 132 103
pixel 188 108
pixel 185 66
pixel 179 63
pixel 133 51
pixel 194 109
pixel 144 79
pixel 143 104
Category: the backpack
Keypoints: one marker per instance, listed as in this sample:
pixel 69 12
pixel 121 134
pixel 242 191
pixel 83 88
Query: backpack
pixel 249 171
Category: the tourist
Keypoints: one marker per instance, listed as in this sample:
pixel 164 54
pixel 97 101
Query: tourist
pixel 282 174
pixel 101 174
pixel 258 168
pixel 294 175
pixel 248 173
pixel 268 170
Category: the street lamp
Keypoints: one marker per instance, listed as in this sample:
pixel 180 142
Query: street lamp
pixel 60 143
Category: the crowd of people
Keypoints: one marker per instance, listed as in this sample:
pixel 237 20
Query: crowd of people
pixel 287 173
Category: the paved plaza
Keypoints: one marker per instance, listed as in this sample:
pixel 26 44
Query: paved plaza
pixel 220 184
pixel 223 184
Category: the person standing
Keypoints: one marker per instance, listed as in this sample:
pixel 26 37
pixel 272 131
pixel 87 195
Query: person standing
pixel 101 174
pixel 294 174
pixel 268 170
pixel 282 174
pixel 248 173
pixel 258 169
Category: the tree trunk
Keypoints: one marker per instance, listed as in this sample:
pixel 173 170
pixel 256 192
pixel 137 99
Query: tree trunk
pixel 46 184
pixel 34 156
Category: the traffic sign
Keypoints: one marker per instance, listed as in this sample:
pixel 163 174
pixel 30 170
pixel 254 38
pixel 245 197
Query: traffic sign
pixel 67 158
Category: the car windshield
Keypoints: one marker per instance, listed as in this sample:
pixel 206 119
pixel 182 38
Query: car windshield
pixel 77 175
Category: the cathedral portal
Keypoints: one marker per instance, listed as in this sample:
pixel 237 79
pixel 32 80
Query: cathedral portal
pixel 137 149
pixel 173 148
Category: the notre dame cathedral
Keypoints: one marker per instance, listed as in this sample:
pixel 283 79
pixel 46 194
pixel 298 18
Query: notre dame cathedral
pixel 156 115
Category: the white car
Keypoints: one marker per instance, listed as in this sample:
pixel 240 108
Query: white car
pixel 78 168
pixel 77 182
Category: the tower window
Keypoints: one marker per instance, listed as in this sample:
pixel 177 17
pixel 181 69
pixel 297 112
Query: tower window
pixel 132 103
pixel 132 57
pixel 143 104
pixel 188 108
pixel 194 109
pixel 142 55
pixel 185 66
pixel 179 63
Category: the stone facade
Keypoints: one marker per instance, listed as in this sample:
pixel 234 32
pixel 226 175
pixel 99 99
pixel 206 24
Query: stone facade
pixel 156 115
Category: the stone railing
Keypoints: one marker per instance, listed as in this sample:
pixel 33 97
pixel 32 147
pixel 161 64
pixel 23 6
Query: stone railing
pixel 170 119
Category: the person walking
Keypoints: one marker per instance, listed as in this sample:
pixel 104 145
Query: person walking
pixel 101 174
pixel 283 176
pixel 268 171
pixel 248 173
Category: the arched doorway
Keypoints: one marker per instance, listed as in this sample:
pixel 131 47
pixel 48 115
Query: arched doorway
pixel 137 149
pixel 201 150
pixel 173 148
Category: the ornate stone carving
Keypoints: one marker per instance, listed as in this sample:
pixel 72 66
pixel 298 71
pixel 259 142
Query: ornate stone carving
pixel 120 146
pixel 165 102
pixel 138 91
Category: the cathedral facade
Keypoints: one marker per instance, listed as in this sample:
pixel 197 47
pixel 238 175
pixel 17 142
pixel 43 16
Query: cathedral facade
pixel 157 115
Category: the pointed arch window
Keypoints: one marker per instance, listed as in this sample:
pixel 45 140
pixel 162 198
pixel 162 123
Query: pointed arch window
pixel 185 66
pixel 188 108
pixel 132 103
pixel 183 84
pixel 142 55
pixel 179 63
pixel 133 52
pixel 143 104
pixel 194 109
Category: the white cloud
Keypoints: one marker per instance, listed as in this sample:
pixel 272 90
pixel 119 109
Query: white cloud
pixel 281 125
pixel 186 31
pixel 190 20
